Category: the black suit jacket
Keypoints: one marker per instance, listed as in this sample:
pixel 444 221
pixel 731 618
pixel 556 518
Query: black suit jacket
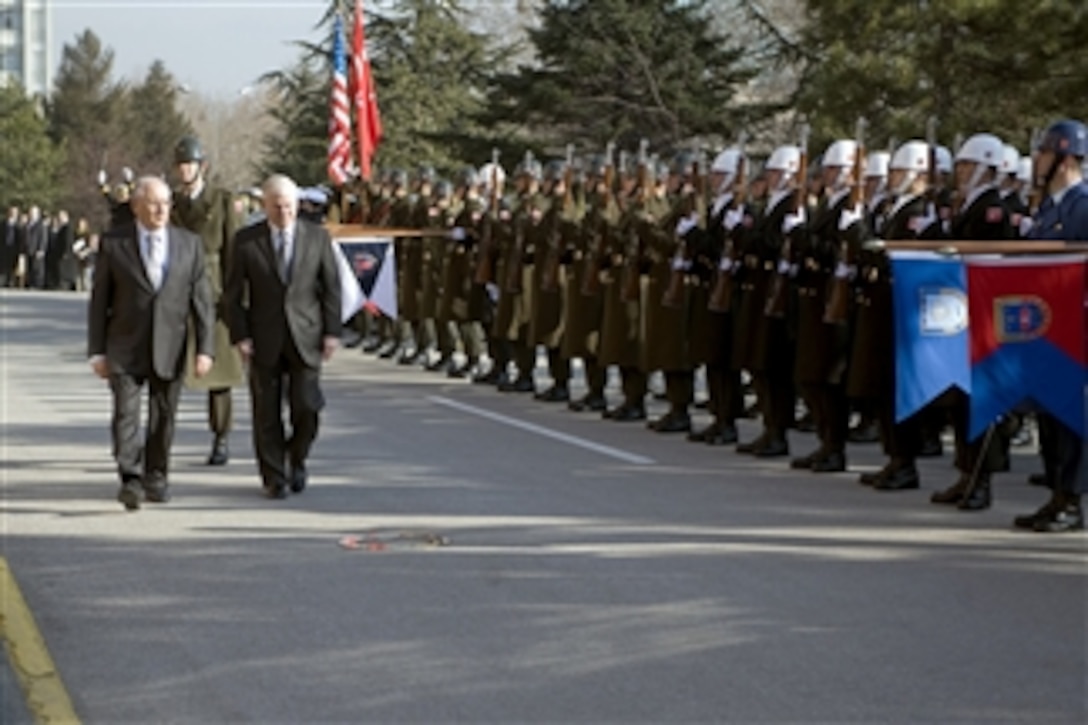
pixel 138 329
pixel 37 237
pixel 263 309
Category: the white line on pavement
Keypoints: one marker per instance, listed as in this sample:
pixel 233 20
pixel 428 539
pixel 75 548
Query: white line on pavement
pixel 545 432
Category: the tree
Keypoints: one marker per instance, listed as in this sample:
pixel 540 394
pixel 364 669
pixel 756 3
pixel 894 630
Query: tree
pixel 29 160
pixel 991 65
pixel 297 145
pixel 621 70
pixel 84 113
pixel 431 73
pixel 152 122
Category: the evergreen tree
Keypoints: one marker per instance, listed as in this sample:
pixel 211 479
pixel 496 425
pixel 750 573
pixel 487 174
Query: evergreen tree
pixel 622 70
pixel 978 65
pixel 298 144
pixel 29 160
pixel 152 122
pixel 84 114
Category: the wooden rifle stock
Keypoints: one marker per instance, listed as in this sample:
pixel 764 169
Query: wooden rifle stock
pixel 485 261
pixel 632 268
pixel 776 302
pixel 557 247
pixel 681 265
pixel 721 297
pixel 838 303
pixel 591 271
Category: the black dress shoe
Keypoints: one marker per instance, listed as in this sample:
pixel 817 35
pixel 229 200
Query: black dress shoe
pixel 628 414
pixel 701 436
pixel 276 491
pixel 1038 479
pixel 373 346
pixel 871 478
pixel 806 423
pixel 520 385
pixel 864 433
pixel 220 452
pixel 491 377
pixel 726 436
pixel 389 353
pixel 672 423
pixel 351 341
pixel 773 448
pixel 129 494
pixel 593 403
pixel 554 394
pixel 805 462
pixel 410 359
pixel 977 498
pixel 298 479
pixel 830 463
pixel 753 445
pixel 931 448
pixel 1068 518
pixel 157 492
pixel 900 478
pixel 954 493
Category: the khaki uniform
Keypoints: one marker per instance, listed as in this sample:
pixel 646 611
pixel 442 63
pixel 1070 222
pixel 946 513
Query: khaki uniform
pixel 211 216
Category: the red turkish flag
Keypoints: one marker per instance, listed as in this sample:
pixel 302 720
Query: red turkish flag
pixel 368 120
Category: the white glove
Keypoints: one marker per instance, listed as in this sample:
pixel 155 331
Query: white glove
pixel 792 221
pixel 726 265
pixel 920 223
pixel 849 218
pixel 457 234
pixel 1026 224
pixel 686 224
pixel 732 219
pixel 845 271
pixel 493 291
pixel 679 264
pixel 126 174
pixel 102 177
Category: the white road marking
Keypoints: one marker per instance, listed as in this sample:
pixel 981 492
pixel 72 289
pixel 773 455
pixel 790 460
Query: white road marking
pixel 545 432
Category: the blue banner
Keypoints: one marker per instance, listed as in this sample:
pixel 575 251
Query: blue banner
pixel 932 351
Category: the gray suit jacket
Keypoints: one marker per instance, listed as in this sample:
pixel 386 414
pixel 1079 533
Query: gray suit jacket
pixel 261 308
pixel 138 329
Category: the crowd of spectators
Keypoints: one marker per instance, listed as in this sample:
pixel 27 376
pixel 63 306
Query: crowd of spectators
pixel 45 251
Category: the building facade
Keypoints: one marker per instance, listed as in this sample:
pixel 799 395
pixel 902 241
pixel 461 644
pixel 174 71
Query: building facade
pixel 25 45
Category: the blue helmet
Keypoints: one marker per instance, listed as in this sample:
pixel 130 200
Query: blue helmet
pixel 1066 138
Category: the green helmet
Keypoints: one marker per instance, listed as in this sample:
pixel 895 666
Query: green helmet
pixel 188 149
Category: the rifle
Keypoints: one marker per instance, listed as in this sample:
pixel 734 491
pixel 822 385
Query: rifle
pixel 681 265
pixel 838 304
pixel 517 256
pixel 591 273
pixel 485 264
pixel 549 279
pixel 1035 196
pixel 721 297
pixel 776 302
pixel 632 268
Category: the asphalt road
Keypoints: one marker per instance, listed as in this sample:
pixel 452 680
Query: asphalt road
pixel 515 562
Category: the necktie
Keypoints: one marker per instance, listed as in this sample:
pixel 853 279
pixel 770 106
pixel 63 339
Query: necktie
pixel 283 258
pixel 156 252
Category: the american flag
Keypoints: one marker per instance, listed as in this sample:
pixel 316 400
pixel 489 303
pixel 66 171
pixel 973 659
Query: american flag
pixel 368 120
pixel 339 115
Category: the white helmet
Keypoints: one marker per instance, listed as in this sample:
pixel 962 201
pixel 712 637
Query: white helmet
pixel 984 149
pixel 876 164
pixel 727 162
pixel 491 169
pixel 785 158
pixel 1024 170
pixel 840 153
pixel 944 160
pixel 912 156
pixel 1010 160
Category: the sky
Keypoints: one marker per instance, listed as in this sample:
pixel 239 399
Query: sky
pixel 216 47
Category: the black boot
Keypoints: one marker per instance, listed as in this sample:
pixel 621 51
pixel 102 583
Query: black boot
pixel 1062 513
pixel 220 452
pixel 592 402
pixel 977 497
pixel 832 462
pixel 902 476
pixel 954 493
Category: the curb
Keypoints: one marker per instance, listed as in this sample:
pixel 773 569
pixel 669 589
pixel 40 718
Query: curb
pixel 45 694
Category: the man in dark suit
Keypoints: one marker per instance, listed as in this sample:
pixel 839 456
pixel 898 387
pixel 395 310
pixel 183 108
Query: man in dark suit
pixel 149 280
pixel 10 247
pixel 283 301
pixel 36 244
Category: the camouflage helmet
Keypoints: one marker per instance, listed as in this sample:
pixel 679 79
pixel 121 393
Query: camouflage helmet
pixel 443 189
pixel 554 170
pixel 596 166
pixel 683 164
pixel 398 177
pixel 426 174
pixel 467 177
pixel 188 149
